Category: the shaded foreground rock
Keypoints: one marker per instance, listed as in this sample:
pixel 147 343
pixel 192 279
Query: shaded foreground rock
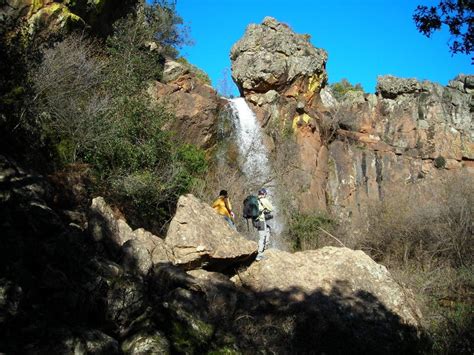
pixel 63 290
pixel 197 235
pixel 323 270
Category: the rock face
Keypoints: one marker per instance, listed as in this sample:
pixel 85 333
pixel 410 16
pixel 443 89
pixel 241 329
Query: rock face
pixel 195 104
pixel 361 149
pixel 271 56
pixel 198 235
pixel 325 270
pixel 396 137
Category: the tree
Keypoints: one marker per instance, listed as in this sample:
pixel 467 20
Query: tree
pixel 224 85
pixel 457 15
pixel 341 88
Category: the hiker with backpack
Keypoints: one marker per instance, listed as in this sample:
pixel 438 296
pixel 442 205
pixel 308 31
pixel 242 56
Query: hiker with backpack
pixel 259 209
pixel 223 207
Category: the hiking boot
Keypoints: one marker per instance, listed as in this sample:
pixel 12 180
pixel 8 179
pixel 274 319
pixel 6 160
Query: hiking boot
pixel 259 257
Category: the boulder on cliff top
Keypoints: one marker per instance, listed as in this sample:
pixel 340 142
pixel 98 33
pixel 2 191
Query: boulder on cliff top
pixel 390 86
pixel 327 271
pixel 271 56
pixel 198 235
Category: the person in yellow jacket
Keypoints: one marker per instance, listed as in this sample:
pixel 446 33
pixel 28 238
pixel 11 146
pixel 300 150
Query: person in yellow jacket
pixel 223 207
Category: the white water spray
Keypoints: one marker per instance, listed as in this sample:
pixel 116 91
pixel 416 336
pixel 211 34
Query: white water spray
pixel 254 159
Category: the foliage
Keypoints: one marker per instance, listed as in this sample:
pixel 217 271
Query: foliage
pixel 439 162
pixel 69 100
pixel 306 231
pixel 424 235
pixel 457 15
pixel 19 134
pixel 343 87
pixel 93 107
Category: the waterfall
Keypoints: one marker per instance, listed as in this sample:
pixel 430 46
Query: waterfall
pixel 254 160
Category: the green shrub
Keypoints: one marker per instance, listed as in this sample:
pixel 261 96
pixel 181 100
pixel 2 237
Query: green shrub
pixel 439 162
pixel 306 231
pixel 93 106
pixel 341 88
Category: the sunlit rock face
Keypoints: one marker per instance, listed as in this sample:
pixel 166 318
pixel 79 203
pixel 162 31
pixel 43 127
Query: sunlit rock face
pixel 198 235
pixel 280 73
pixel 330 270
pixel 356 150
pixel 195 104
pixel 410 132
pixel 271 56
pixel 47 17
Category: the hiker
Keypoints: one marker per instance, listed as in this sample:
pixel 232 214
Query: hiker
pixel 223 207
pixel 264 213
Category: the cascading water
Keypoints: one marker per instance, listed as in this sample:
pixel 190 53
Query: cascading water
pixel 254 160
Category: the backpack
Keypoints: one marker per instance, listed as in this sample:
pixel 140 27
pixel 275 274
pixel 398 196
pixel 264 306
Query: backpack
pixel 251 209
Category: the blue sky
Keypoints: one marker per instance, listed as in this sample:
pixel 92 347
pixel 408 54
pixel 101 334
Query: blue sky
pixel 363 38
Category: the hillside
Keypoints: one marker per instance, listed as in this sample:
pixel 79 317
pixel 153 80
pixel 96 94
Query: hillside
pixel 112 148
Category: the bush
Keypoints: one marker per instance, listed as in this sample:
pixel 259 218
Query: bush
pixel 70 105
pixel 424 234
pixel 428 225
pixel 439 162
pixel 94 108
pixel 306 231
pixel 341 88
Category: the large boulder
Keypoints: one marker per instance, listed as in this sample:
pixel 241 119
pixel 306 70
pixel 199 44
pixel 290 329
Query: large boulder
pixel 197 235
pixel 331 270
pixel 271 56
pixel 139 249
pixel 390 86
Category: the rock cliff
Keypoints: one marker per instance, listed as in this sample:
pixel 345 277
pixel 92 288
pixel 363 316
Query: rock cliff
pixel 362 148
pixel 195 104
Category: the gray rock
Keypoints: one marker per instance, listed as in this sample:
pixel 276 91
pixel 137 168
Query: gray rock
pixel 271 55
pixel 146 343
pixel 197 235
pixel 173 70
pixel 390 87
pixel 328 98
pixel 104 224
pixel 125 301
pixel 325 270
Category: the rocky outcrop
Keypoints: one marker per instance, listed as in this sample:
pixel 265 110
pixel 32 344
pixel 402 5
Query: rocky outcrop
pixel 197 236
pixel 410 132
pixel 350 272
pixel 281 74
pixel 139 249
pixel 358 150
pixel 271 56
pixel 195 104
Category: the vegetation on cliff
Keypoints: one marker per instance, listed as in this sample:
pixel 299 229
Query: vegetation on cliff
pixel 83 100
